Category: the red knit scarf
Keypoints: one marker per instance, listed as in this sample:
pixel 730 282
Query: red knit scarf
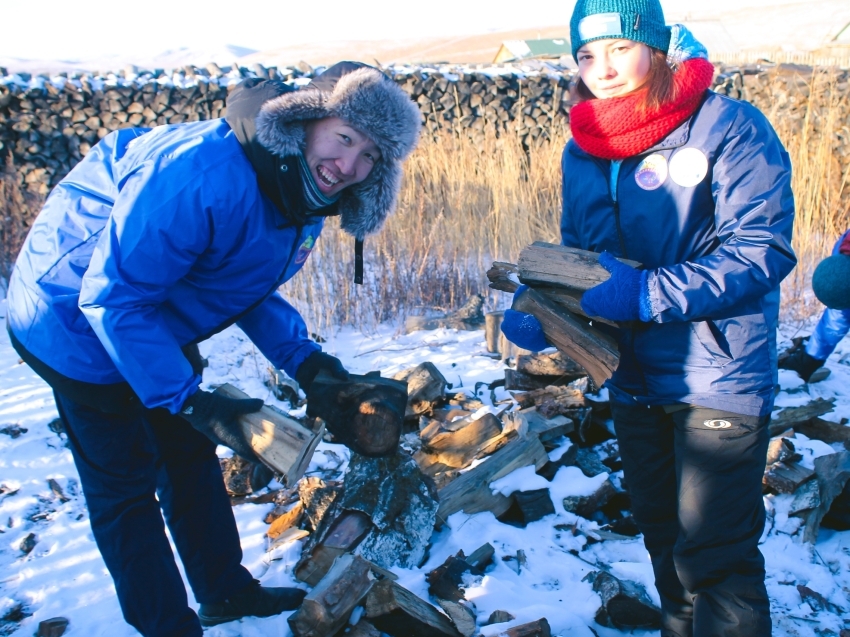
pixel 615 128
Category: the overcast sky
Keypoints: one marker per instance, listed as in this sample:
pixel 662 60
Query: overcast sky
pixel 63 29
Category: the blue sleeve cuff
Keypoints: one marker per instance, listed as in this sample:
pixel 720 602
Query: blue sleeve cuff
pixel 644 304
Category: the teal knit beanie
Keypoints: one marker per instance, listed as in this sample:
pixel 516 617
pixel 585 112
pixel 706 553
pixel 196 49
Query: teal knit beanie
pixel 638 20
pixel 831 282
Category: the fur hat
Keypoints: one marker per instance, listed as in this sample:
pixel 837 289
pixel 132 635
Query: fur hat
pixel 638 20
pixel 370 102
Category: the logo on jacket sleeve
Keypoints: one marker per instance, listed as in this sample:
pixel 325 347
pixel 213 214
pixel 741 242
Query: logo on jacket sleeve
pixel 304 250
pixel 688 167
pixel 651 172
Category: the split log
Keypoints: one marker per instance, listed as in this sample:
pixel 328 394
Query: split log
pixel 317 496
pixel 520 381
pixel 493 330
pixel 588 461
pixel 509 351
pixel 401 503
pixel 567 397
pixel 781 450
pixel 470 491
pixel 54 627
pixel 595 352
pixel 534 505
pixel 794 417
pixel 398 612
pixel 243 477
pixel 826 431
pixel 833 474
pixel 503 276
pixel 546 429
pixel 806 498
pixel 365 413
pixel 328 606
pixel 555 265
pixel 426 388
pixel 570 300
pixel 625 605
pixel 469 317
pixel 286 521
pixel 282 443
pixel 554 364
pixel 446 449
pixel 499 617
pixel 786 477
pixel 587 505
pixel 462 617
pixel 363 629
pixel 539 628
pixel 445 582
pixel 346 532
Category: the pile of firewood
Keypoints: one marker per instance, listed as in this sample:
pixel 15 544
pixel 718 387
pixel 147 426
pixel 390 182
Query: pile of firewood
pixel 821 495
pixel 382 512
pixel 557 277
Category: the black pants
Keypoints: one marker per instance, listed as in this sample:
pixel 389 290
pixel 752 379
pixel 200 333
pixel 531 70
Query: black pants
pixel 131 466
pixel 694 477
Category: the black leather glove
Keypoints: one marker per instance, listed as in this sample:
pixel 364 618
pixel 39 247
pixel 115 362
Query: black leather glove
pixel 216 417
pixel 801 362
pixel 316 362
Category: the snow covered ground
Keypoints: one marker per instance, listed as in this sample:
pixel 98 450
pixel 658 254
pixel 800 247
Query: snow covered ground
pixel 64 575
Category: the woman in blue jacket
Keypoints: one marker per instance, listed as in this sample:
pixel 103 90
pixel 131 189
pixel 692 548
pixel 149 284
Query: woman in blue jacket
pixel 157 240
pixel 697 188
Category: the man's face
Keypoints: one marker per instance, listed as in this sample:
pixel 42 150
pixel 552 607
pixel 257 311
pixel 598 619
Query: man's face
pixel 337 154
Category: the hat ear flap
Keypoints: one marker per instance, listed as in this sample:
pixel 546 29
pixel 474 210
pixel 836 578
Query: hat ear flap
pixel 365 206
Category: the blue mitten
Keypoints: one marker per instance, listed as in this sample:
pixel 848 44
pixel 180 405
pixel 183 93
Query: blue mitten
pixel 623 297
pixel 523 329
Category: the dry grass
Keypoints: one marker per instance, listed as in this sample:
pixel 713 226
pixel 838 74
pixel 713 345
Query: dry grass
pixel 462 206
pixel 821 183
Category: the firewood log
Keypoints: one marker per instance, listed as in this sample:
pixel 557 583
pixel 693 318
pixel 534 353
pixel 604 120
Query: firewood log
pixel 282 443
pixel 596 352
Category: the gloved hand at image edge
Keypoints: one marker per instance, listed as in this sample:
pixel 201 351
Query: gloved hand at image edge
pixel 623 297
pixel 217 416
pixel 316 362
pixel 523 329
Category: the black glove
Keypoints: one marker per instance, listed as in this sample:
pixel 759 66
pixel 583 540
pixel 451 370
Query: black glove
pixel 216 417
pixel 801 362
pixel 316 362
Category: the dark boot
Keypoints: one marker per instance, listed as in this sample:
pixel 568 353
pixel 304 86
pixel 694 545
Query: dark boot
pixel 254 601
pixel 801 362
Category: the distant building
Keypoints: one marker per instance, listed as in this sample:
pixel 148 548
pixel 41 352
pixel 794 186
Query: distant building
pixel 513 50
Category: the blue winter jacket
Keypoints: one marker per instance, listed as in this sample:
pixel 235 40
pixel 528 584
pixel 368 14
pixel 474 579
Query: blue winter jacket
pixel 709 212
pixel 156 240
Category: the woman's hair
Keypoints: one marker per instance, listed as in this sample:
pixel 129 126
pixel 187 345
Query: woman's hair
pixel 657 86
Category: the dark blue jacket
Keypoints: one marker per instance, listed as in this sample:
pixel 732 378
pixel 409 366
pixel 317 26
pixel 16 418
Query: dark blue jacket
pixel 156 240
pixel 709 212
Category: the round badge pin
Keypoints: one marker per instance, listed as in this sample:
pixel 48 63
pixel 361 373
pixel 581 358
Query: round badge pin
pixel 651 172
pixel 688 167
pixel 717 424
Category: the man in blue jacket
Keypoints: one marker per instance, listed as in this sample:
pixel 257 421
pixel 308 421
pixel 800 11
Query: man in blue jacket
pixel 157 240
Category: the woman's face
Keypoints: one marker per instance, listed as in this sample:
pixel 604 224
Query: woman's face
pixel 337 154
pixel 610 68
